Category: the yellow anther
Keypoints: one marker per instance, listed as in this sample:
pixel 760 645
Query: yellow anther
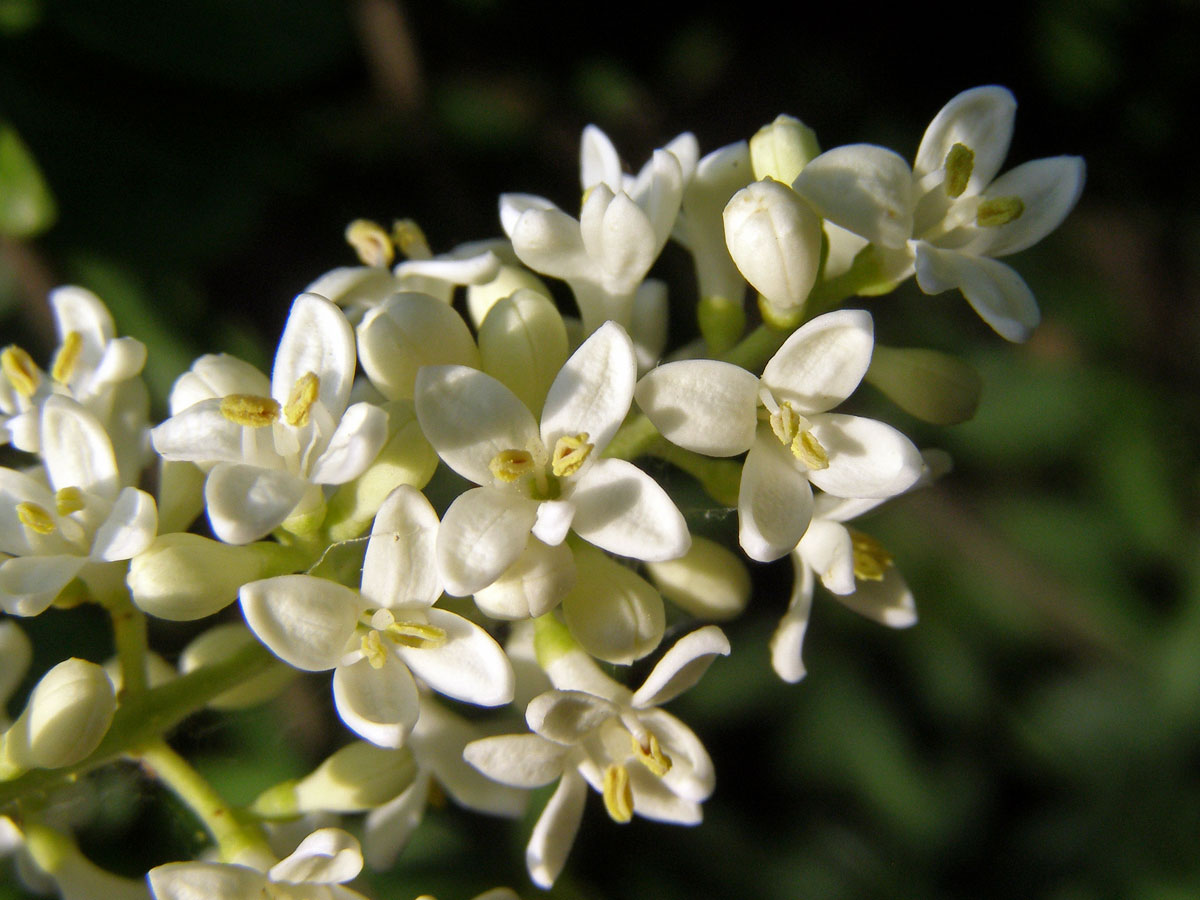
pixel 300 401
pixel 787 423
pixel 509 465
pixel 652 756
pixel 410 239
pixel 370 242
pixel 35 518
pixel 960 163
pixel 806 448
pixel 20 370
pixel 870 559
pixel 66 357
pixel 415 634
pixel 374 650
pixel 249 410
pixel 996 211
pixel 618 795
pixel 570 453
pixel 68 500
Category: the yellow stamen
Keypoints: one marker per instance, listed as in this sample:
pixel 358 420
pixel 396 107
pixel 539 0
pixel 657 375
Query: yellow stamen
pixel 509 465
pixel 35 518
pixel 960 162
pixel 618 795
pixel 300 401
pixel 68 500
pixel 652 756
pixel 570 453
pixel 249 410
pixel 20 370
pixel 806 448
pixel 67 357
pixel 415 634
pixel 410 239
pixel 997 211
pixel 374 650
pixel 370 242
pixel 870 559
pixel 787 423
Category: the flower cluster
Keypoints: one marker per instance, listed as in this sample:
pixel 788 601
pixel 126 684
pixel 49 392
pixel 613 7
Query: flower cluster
pixel 545 547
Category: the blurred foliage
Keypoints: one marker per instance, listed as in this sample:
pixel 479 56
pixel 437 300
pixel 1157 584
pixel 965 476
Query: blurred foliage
pixel 1038 733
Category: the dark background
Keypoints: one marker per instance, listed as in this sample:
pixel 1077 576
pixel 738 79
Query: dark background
pixel 1036 733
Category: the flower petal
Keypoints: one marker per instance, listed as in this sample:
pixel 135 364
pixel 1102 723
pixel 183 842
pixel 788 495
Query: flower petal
pixel 303 620
pixel 623 510
pixel 470 666
pixel 702 405
pixel 327 856
pixel 682 666
pixel 380 705
pixel 889 602
pixel 827 549
pixel 866 458
pixel 520 760
pixel 360 434
pixel 29 584
pixel 533 585
pixel 200 433
pixel 76 449
pixel 1049 189
pixel 863 188
pixel 202 881
pixel 470 417
pixel 399 568
pixel 994 290
pixel 823 361
pixel 482 534
pixel 593 390
pixel 774 500
pixel 788 639
pixel 246 502
pixel 317 339
pixel 555 830
pixel 980 119
pixel 567 717
pixel 213 376
pixel 129 529
pixel 598 160
pixel 389 827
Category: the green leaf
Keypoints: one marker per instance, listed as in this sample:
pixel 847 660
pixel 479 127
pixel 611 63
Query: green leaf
pixel 27 207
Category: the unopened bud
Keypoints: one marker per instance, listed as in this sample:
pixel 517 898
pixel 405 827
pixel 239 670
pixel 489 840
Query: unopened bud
pixel 935 387
pixel 774 237
pixel 709 581
pixel 67 716
pixel 780 150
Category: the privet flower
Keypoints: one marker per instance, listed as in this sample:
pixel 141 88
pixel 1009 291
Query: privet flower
pixel 271 448
pixel 720 409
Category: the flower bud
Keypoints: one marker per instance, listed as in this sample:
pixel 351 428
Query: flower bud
pixel 534 584
pixel 482 297
pixel 709 581
pixel 935 387
pixel 523 344
pixel 774 238
pixel 780 150
pixel 221 643
pixel 182 576
pixel 614 613
pixel 67 716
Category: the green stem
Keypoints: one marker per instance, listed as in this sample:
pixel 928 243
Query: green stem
pixel 132 643
pixel 146 717
pixel 235 839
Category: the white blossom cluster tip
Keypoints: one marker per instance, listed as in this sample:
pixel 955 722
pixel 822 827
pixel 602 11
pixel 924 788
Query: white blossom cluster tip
pixel 433 425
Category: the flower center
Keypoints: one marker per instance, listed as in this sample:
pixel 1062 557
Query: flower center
pixel 382 625
pixel 20 370
pixel 871 561
pixel 618 795
pixel 794 432
pixel 249 410
pixel 300 401
pixel 67 357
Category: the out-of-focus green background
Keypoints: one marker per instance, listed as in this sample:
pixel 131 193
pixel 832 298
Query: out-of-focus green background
pixel 1038 733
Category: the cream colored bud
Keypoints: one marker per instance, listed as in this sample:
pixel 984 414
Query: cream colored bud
pixel 774 238
pixel 523 344
pixel 780 150
pixel 182 576
pixel 223 642
pixel 935 387
pixel 531 586
pixel 406 458
pixel 357 778
pixel 66 717
pixel 709 581
pixel 614 613
pixel 482 297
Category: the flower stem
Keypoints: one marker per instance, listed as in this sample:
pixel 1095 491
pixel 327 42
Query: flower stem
pixel 235 839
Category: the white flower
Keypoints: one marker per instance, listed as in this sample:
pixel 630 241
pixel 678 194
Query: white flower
pixel 591 730
pixel 71 519
pixel 949 215
pixel 323 862
pixel 719 409
pixel 91 366
pixel 270 454
pixel 378 637
pixel 548 480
